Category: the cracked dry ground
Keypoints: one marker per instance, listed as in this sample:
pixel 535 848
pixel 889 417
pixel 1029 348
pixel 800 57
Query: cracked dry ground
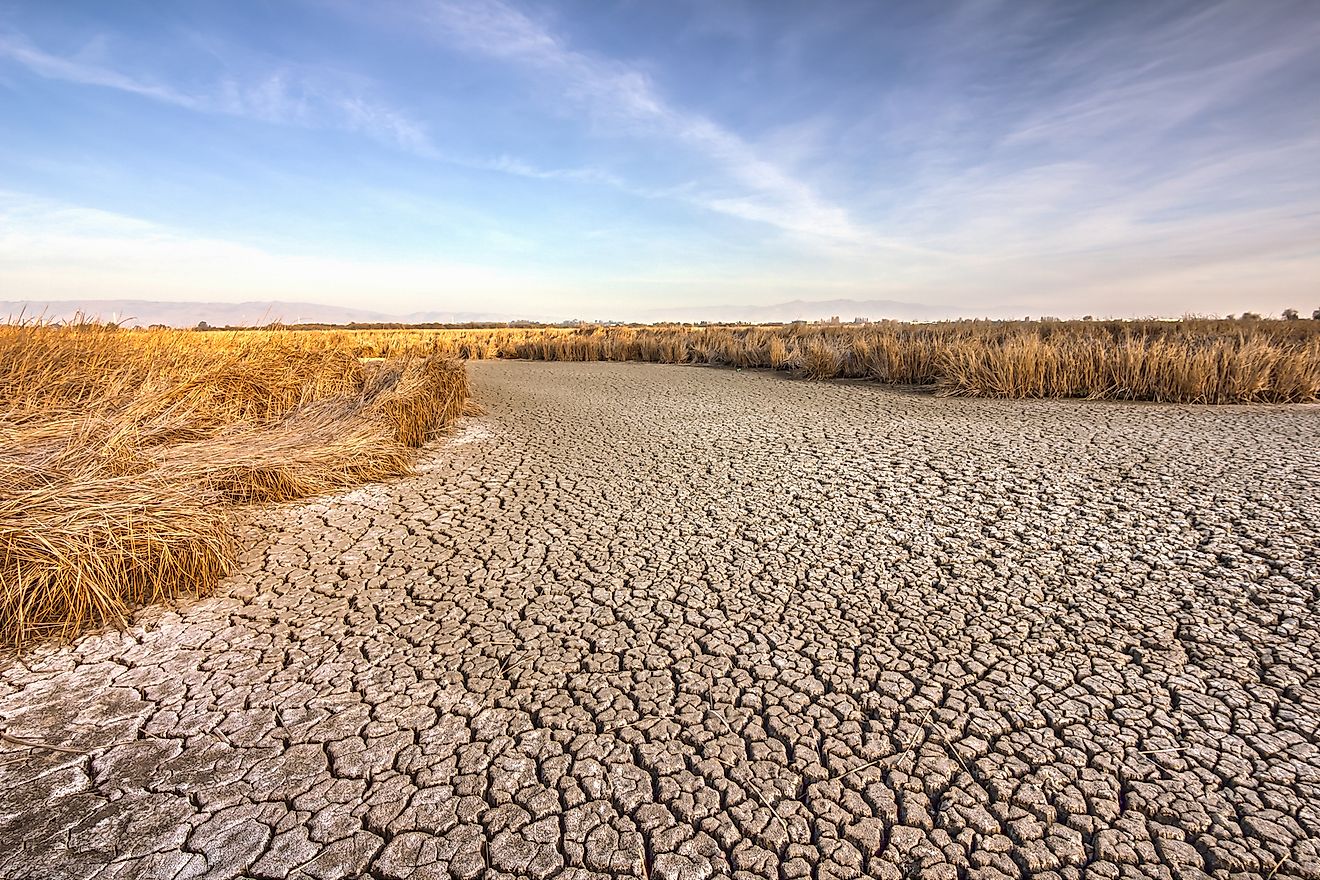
pixel 674 622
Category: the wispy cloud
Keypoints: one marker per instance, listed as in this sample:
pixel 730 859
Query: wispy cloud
pixel 1138 78
pixel 72 70
pixel 624 98
pixel 522 168
pixel 1112 144
pixel 50 250
pixel 285 95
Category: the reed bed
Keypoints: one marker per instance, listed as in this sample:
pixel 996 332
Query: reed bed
pixel 124 453
pixel 1208 361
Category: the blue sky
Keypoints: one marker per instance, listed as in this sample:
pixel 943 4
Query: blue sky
pixel 619 159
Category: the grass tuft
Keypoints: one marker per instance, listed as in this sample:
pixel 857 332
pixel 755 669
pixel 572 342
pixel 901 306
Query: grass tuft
pixel 123 453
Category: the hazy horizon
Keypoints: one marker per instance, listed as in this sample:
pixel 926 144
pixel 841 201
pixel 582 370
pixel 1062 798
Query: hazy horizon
pixel 613 160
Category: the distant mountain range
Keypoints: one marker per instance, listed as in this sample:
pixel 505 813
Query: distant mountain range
pixel 844 309
pixel 142 313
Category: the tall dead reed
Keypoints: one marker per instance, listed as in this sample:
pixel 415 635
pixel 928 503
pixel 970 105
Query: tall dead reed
pixel 1188 361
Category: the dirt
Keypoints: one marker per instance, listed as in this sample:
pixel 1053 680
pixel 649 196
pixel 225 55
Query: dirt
pixel 674 622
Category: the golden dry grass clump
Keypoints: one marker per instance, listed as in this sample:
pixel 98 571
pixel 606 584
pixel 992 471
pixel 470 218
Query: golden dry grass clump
pixel 1188 361
pixel 121 453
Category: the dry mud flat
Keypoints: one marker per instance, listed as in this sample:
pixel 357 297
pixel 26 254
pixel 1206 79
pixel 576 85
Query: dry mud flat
pixel 672 622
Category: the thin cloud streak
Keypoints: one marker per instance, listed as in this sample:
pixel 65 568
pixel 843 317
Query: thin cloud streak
pixel 624 97
pixel 281 97
pixel 82 73
pixel 1171 73
pixel 54 251
pixel 1118 144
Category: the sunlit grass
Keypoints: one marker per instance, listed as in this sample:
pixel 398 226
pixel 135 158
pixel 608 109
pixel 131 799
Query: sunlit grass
pixel 122 452
pixel 1189 361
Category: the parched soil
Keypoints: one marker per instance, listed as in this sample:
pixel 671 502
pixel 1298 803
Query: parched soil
pixel 674 622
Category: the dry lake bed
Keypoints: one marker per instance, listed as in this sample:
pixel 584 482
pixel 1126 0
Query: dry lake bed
pixel 675 622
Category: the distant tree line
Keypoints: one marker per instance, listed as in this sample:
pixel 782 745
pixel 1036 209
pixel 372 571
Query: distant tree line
pixel 1288 315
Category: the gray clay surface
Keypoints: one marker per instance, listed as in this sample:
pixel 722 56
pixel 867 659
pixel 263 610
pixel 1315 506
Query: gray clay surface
pixel 674 622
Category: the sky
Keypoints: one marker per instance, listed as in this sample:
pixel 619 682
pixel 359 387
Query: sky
pixel 626 158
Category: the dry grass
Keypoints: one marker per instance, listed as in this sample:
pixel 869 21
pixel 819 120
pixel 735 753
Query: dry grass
pixel 122 453
pixel 1189 361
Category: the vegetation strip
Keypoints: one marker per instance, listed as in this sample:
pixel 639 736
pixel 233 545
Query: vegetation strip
pixel 1195 360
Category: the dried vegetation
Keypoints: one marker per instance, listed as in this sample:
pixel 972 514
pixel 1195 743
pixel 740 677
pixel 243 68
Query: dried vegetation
pixel 123 452
pixel 1188 361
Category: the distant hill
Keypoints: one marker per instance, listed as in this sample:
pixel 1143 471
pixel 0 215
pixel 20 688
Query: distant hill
pixel 141 313
pixel 845 309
